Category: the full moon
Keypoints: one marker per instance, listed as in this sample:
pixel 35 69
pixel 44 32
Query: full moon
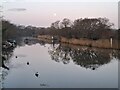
pixel 54 14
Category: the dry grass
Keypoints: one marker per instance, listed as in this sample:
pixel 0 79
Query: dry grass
pixel 101 43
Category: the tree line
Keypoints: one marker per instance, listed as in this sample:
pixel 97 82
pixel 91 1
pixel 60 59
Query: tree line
pixel 91 28
pixel 95 28
pixel 12 31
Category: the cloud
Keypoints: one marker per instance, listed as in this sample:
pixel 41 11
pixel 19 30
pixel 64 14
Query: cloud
pixel 17 9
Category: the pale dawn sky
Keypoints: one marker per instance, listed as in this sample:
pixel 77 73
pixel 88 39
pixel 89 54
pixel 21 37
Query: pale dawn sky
pixel 43 13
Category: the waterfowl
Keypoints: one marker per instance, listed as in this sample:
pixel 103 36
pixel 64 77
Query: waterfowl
pixel 27 63
pixel 36 74
pixel 16 57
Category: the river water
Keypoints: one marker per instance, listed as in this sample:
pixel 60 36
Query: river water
pixel 39 64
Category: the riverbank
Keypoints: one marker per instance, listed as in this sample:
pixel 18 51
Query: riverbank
pixel 101 43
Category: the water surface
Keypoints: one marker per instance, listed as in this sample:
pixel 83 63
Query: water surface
pixel 39 64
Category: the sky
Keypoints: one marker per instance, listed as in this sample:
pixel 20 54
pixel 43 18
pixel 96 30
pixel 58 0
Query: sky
pixel 42 13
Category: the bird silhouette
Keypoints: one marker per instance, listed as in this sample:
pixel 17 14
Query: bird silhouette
pixel 27 63
pixel 36 74
pixel 16 57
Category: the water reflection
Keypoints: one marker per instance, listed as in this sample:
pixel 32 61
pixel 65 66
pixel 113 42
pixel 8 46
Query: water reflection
pixel 85 57
pixel 6 54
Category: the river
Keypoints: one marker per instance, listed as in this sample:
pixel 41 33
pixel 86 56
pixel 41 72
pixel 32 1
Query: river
pixel 39 64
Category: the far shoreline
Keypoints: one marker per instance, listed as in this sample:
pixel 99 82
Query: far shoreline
pixel 100 43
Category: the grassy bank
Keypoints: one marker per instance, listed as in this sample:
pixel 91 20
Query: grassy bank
pixel 101 43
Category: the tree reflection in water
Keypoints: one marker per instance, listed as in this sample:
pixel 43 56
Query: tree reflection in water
pixel 84 56
pixel 6 55
pixel 59 54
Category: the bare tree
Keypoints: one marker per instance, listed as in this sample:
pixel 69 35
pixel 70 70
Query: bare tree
pixel 66 23
pixel 55 25
pixel 92 28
